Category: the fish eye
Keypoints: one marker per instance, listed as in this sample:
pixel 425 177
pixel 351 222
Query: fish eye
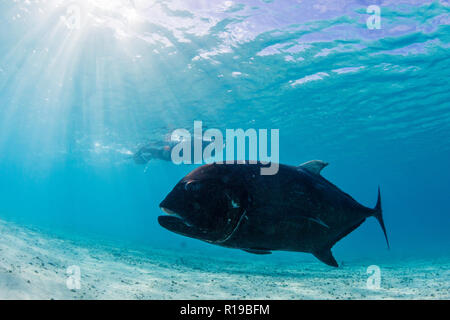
pixel 192 186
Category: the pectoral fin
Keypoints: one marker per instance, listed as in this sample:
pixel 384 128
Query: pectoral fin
pixel 257 251
pixel 317 220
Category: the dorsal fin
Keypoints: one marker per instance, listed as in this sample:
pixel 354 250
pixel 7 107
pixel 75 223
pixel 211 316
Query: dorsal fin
pixel 314 166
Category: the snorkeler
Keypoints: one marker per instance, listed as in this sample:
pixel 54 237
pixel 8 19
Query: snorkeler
pixel 150 151
pixel 153 151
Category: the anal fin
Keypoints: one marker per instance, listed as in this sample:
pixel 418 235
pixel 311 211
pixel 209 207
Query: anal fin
pixel 325 254
pixel 257 251
pixel 326 257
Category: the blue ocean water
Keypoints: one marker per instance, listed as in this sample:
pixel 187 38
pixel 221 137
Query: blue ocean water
pixel 84 83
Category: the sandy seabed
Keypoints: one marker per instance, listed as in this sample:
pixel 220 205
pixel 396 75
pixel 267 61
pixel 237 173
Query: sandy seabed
pixel 34 265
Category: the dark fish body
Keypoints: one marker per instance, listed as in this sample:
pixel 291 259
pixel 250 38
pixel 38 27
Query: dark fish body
pixel 295 210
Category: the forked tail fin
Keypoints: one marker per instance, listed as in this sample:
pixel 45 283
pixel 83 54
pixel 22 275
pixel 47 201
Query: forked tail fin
pixel 378 214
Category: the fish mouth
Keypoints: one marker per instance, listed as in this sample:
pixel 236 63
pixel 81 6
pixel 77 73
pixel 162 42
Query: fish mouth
pixel 174 222
pixel 171 212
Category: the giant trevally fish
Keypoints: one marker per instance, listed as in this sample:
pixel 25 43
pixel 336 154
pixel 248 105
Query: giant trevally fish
pixel 233 205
